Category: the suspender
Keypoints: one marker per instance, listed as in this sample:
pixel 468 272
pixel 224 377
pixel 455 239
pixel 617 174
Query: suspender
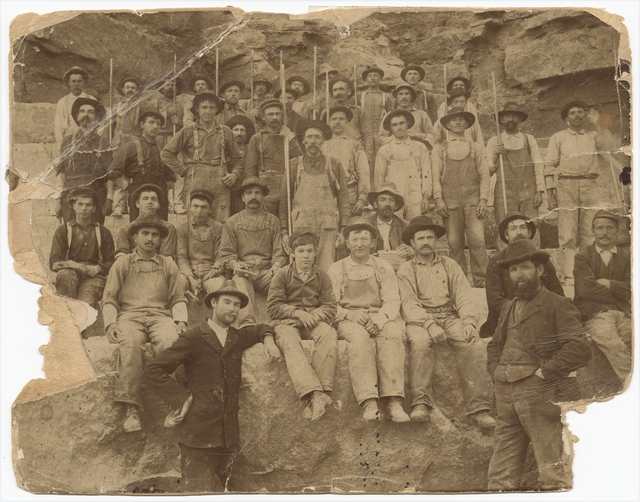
pixel 140 155
pixel 384 102
pixel 98 238
pixel 298 162
pixel 343 283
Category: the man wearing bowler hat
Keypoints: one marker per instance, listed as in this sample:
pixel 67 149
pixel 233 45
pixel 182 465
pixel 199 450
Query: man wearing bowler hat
pixel 366 289
pixel 413 74
pixel 461 191
pixel 197 85
pixel 205 410
pixel 438 305
pixel 143 303
pixel 538 344
pixel 64 123
pixel 374 100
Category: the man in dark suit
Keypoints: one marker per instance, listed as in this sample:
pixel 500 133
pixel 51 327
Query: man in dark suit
pixel 206 411
pixel 539 342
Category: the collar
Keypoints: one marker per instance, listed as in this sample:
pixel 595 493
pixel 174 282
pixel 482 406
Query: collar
pixel 574 133
pixel 352 263
pixel 207 223
pixel 227 106
pixel 613 250
pixel 412 108
pixel 152 142
pixel 74 223
pixel 436 260
pixel 216 327
pixel 137 257
pixel 380 222
pixel 406 141
pixel 517 135
pixel 307 274
pixel 216 126
pixel 370 91
pixel 310 162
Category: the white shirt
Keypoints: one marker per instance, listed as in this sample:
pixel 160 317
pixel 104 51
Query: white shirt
pixel 220 332
pixel 606 254
pixel 384 228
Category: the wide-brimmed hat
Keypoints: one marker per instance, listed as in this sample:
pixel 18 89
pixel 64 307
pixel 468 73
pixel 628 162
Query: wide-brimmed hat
pixel 457 112
pixel 84 192
pixel 421 223
pixel 386 122
pixel 389 188
pixel 287 89
pixel 126 79
pixel 75 108
pixel 502 228
pixel 202 193
pixel 299 232
pixel 230 83
pixel 149 221
pixel 359 223
pixel 576 103
pixel 324 68
pixel 404 85
pixel 372 69
pixel 345 109
pixel 150 111
pixel 206 78
pixel 254 181
pixel 75 70
pixel 262 79
pixel 267 103
pixel 228 288
pixel 204 96
pixel 305 83
pixel 512 107
pixel 148 187
pixel 314 124
pixel 465 81
pixel 242 120
pixel 522 250
pixel 455 93
pixel 603 213
pixel 415 67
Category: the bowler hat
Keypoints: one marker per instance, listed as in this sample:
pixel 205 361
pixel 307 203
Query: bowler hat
pixel 287 89
pixel 345 109
pixel 421 223
pixel 204 96
pixel 390 188
pixel 457 112
pixel 242 120
pixel 149 221
pixel 299 232
pixel 303 81
pixel 75 70
pixel 230 83
pixel 502 229
pixel 202 193
pixel 228 288
pixel 404 85
pixel 576 103
pixel 268 103
pixel 262 79
pixel 455 93
pixel 386 122
pixel 359 223
pixel 84 192
pixel 372 69
pixel 75 108
pixel 126 79
pixel 512 107
pixel 150 112
pixel 415 67
pixel 206 78
pixel 148 187
pixel 254 181
pixel 522 250
pixel 324 68
pixel 314 124
pixel 603 213
pixel 465 81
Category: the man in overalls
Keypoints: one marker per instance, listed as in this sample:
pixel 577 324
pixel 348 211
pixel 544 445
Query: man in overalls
pixel 375 101
pixel 352 157
pixel 264 157
pixel 366 289
pixel 406 164
pixel 211 156
pixel 318 193
pixel 461 190
pixel 523 168
pixel 143 303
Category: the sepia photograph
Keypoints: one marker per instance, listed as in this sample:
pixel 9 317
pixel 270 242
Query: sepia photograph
pixel 374 250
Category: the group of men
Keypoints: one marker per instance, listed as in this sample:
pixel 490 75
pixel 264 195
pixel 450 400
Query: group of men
pixel 344 247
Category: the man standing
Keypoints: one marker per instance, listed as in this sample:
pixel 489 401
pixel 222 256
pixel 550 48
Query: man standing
pixel 251 246
pixel 438 305
pixel 603 293
pixel 143 303
pixel 319 194
pixel 374 100
pixel 231 92
pixel 539 341
pixel 499 287
pixel 457 99
pixel 425 101
pixel 523 167
pixel 405 163
pixel 387 201
pixel 243 130
pixel 197 85
pixel 303 104
pixel 366 289
pixel 127 116
pixel 458 83
pixel 205 411
pixel 302 303
pixel 75 78
pixel 461 190
pixel 262 88
pixel 294 121
pixel 82 251
pixel 210 155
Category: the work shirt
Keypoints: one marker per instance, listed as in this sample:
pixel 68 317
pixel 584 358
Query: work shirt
pixel 442 283
pixel 187 115
pixel 198 246
pixel 358 128
pixel 127 120
pixel 423 127
pixel 84 246
pixel 124 243
pixel 384 228
pixel 456 145
pixel 63 122
pixel 572 154
pixel 426 102
pixel 265 152
pixel 354 162
pixel 229 111
pixel 86 164
pixel 409 154
pixel 396 227
pixel 516 142
pixel 468 107
pixel 220 332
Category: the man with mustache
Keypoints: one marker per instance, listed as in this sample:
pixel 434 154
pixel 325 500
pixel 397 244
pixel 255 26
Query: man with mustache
pixel 262 88
pixel 375 101
pixel 523 168
pixel 231 92
pixel 127 117
pixel 304 103
pixel 75 78
pixel 438 305
pixel 538 344
pixel 205 410
pixel 143 303
pixel 413 74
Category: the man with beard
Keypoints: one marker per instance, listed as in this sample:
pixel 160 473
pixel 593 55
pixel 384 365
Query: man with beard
pixel 387 201
pixel 457 99
pixel 75 78
pixel 375 101
pixel 319 194
pixel 603 293
pixel 523 168
pixel 197 85
pixel 303 104
pixel 499 287
pixel 425 101
pixel 127 116
pixel 538 344
pixel 205 410
pixel 294 121
pixel 230 92
pixel 264 157
pixel 438 305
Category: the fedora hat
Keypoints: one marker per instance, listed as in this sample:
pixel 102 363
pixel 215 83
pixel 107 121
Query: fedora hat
pixel 415 67
pixel 126 79
pixel 254 181
pixel 314 124
pixel 389 188
pixel 421 223
pixel 230 83
pixel 242 120
pixel 262 79
pixel 299 232
pixel 267 103
pixel 149 221
pixel 457 112
pixel 512 107
pixel 576 103
pixel 303 81
pixel 150 111
pixel 403 85
pixel 359 223
pixel 75 70
pixel 372 69
pixel 502 228
pixel 228 288
pixel 520 251
pixel 202 193
pixel 465 81
pixel 148 187
pixel 287 89
pixel 75 108
pixel 204 96
pixel 386 122
pixel 206 78
pixel 324 68
pixel 84 192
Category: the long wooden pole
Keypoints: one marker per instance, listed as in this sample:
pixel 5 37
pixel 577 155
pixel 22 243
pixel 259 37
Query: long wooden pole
pixel 315 77
pixel 285 139
pixel 326 88
pixel 175 89
pixel 110 100
pixel 355 85
pixel 252 98
pixel 217 66
pixel 499 141
pixel 283 94
pixel 446 96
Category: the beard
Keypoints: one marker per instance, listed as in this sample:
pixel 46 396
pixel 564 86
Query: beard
pixel 526 289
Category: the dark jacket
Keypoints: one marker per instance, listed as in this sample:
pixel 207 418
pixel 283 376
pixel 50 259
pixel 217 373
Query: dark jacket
pixel 213 378
pixel 395 234
pixel 555 334
pixel 592 297
pixel 499 288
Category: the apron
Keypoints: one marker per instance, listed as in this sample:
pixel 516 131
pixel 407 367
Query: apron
pixel 460 181
pixel 520 178
pixel 361 293
pixel 404 171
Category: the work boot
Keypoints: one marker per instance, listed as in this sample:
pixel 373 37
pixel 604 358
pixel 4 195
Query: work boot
pixel 132 422
pixel 396 412
pixel 319 404
pixel 307 413
pixel 483 419
pixel 420 413
pixel 371 411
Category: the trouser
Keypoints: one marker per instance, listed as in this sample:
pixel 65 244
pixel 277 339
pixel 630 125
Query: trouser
pixel 519 201
pixel 578 202
pixel 470 358
pixel 138 328
pixel 376 366
pixel 319 374
pixel 201 466
pixel 272 179
pixel 611 332
pixel 121 195
pixel 526 412
pixel 261 281
pixel 81 287
pixel 178 195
